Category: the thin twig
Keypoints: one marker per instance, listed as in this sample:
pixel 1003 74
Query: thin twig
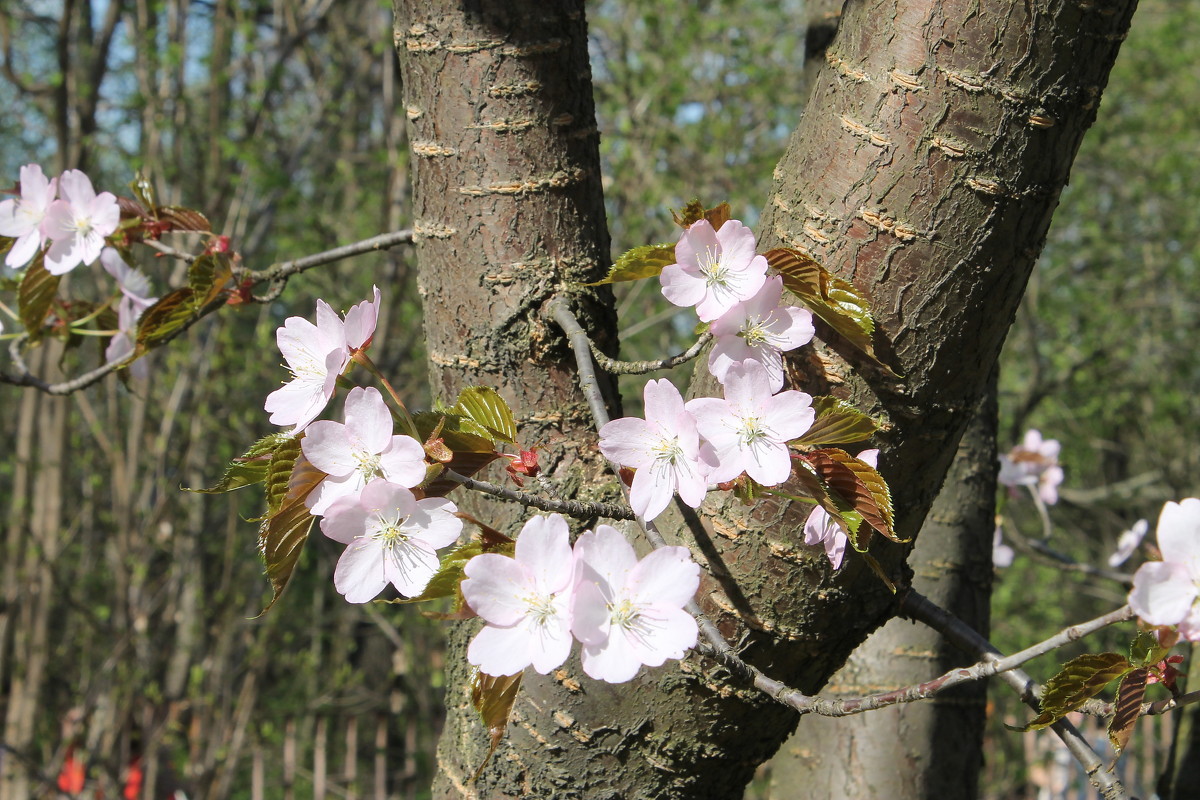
pixel 919 607
pixel 1040 547
pixel 278 274
pixel 572 508
pixel 616 367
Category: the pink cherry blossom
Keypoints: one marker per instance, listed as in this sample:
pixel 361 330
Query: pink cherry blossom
pixel 77 223
pixel 664 448
pixel 1033 463
pixel 759 329
pixel 628 612
pixel 714 269
pixel 392 538
pixel 360 450
pixel 316 355
pixel 361 321
pixel 821 529
pixel 1166 592
pixel 135 298
pixel 22 217
pixel 748 431
pixel 526 601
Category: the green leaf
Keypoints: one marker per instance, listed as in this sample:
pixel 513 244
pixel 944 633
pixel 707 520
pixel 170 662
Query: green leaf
pixel 282 535
pixel 207 276
pixel 837 422
pixel 142 189
pixel 493 697
pixel 835 301
pixel 279 472
pixel 486 408
pixel 166 317
pixel 859 485
pixel 1146 650
pixel 249 468
pixel 35 296
pixel 695 211
pixel 646 261
pixel 1127 709
pixel 472 452
pixel 1080 679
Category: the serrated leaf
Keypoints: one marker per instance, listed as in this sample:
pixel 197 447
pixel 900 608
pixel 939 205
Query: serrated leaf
pixel 837 422
pixel 281 536
pixel 280 471
pixel 207 277
pixel 695 211
pixel 471 452
pixel 1079 680
pixel 166 317
pixel 183 219
pixel 486 408
pixel 1127 708
pixel 835 301
pixel 646 261
pixel 142 189
pixel 493 697
pixel 35 296
pixel 1145 650
pixel 838 508
pixel 858 484
pixel 249 468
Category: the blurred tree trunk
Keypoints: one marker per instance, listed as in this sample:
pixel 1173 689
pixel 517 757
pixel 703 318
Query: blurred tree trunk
pixel 925 170
pixel 918 751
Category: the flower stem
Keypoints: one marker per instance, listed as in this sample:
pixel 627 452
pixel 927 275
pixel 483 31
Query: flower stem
pixel 360 357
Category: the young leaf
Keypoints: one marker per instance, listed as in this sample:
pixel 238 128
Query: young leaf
pixel 142 189
pixel 493 698
pixel 646 261
pixel 279 472
pixel 695 211
pixel 839 508
pixel 471 452
pixel 183 219
pixel 837 302
pixel 837 423
pixel 249 468
pixel 1146 650
pixel 35 296
pixel 281 536
pixel 486 408
pixel 166 317
pixel 859 485
pixel 207 277
pixel 1080 679
pixel 1127 708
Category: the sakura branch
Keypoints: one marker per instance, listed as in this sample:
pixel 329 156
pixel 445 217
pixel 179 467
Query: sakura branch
pixel 616 367
pixel 572 508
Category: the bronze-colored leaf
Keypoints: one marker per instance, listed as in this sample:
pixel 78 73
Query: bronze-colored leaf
pixel 208 276
pixel 695 211
pixel 279 473
pixel 493 697
pixel 35 296
pixel 166 317
pixel 1079 680
pixel 1127 708
pixel 837 507
pixel 646 261
pixel 858 484
pixel 183 219
pixel 281 536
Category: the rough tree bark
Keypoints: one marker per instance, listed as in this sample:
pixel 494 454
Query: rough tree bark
pixel 925 170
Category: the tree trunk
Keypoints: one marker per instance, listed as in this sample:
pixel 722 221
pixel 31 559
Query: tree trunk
pixel 925 170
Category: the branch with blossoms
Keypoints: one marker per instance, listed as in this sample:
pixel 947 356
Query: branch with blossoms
pixel 54 226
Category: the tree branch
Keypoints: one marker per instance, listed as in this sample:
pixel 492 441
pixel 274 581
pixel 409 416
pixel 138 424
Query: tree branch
pixel 617 367
pixel 572 508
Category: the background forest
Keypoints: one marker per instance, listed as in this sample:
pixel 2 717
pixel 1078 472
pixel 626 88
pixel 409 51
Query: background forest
pixel 125 618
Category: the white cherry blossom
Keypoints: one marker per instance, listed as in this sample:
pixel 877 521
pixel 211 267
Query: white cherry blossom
pixel 1128 542
pixel 664 448
pixel 759 329
pixel 1033 463
pixel 525 600
pixel 391 537
pixel 749 429
pixel 22 217
pixel 1167 592
pixel 363 448
pixel 77 223
pixel 714 269
pixel 316 355
pixel 628 612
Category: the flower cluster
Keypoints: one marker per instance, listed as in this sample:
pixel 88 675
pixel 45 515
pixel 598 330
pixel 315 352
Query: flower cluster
pixel 64 212
pixel 1167 592
pixel 682 448
pixel 1033 463
pixel 624 612
pixel 365 499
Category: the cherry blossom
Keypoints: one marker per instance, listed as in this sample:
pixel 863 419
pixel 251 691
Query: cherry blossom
pixel 628 612
pixel 1128 542
pixel 135 298
pixel 525 600
pixel 392 538
pixel 748 431
pixel 715 269
pixel 1002 554
pixel 363 448
pixel 22 217
pixel 1166 592
pixel 77 223
pixel 316 355
pixel 1033 463
pixel 821 529
pixel 664 448
pixel 759 329
pixel 361 321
